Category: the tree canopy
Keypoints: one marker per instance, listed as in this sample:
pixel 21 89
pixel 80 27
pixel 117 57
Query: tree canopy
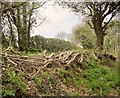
pixel 85 35
pixel 40 43
pixel 20 18
pixel 97 15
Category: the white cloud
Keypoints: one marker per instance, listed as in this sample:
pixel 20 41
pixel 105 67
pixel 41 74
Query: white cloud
pixel 58 20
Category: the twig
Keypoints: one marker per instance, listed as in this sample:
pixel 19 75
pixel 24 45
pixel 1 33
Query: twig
pixel 12 62
pixel 10 48
pixel 24 57
pixel 73 59
pixel 39 70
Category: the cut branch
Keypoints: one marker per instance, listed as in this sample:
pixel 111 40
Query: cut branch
pixel 12 62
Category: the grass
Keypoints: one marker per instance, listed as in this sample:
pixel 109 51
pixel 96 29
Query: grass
pixel 101 79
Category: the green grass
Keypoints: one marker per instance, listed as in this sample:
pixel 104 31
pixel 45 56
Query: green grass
pixel 101 79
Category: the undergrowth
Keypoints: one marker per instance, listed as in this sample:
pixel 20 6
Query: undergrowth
pixel 13 83
pixel 101 79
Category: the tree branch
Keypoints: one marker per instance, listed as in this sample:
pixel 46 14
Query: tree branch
pixel 90 25
pixel 31 11
pixel 39 5
pixel 105 8
pixel 41 22
pixel 112 8
pixel 106 23
pixel 87 5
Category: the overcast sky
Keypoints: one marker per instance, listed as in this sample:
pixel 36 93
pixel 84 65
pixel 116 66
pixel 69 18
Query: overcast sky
pixel 58 19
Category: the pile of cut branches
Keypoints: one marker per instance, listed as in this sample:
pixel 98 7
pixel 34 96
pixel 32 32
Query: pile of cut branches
pixel 42 69
pixel 33 64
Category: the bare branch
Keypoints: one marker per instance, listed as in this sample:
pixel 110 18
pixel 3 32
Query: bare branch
pixel 41 22
pixel 105 8
pixel 90 24
pixel 106 23
pixel 89 9
pixel 39 5
pixel 112 8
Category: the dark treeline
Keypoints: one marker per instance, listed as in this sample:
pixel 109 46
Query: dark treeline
pixel 39 43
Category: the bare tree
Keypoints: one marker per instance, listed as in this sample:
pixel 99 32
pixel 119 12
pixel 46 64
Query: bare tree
pixel 61 35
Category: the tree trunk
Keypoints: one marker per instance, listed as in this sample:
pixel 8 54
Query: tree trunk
pixel 22 28
pixel 25 35
pixel 20 31
pixel 97 24
pixel 11 37
pixel 100 36
pixel 99 43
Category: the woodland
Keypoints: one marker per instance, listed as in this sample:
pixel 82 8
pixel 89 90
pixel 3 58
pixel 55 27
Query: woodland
pixel 86 64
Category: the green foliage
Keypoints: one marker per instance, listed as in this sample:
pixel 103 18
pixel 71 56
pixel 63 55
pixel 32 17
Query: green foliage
pixel 39 43
pixel 13 77
pixel 7 91
pixel 45 75
pixel 62 72
pixel 85 36
pixel 30 53
pixel 77 80
pixel 93 64
pixel 13 82
pixel 74 77
pixel 100 79
pixel 37 80
pixel 111 39
pixel 55 45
